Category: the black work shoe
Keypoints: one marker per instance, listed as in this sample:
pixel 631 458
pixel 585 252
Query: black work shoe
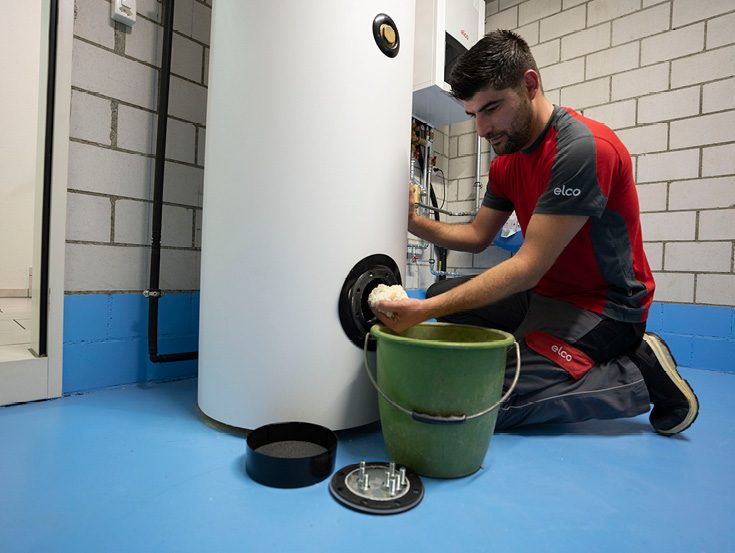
pixel 675 407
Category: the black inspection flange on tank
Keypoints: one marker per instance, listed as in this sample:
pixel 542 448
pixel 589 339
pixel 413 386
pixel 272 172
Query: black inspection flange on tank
pixel 386 35
pixel 354 310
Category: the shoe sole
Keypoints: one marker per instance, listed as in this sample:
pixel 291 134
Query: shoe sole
pixel 664 356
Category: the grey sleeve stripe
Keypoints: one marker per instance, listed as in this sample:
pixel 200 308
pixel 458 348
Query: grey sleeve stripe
pixel 573 185
pixel 493 201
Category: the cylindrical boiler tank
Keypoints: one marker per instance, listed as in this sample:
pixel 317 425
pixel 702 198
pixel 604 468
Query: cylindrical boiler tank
pixel 305 193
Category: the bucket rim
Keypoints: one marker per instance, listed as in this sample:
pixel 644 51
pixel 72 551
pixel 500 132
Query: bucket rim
pixel 379 332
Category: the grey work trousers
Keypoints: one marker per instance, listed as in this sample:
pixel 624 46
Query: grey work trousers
pixel 546 392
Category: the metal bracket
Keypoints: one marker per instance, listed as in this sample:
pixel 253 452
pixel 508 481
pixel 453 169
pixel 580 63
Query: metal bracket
pixel 153 293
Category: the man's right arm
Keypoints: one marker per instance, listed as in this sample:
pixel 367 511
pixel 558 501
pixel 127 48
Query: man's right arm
pixel 471 237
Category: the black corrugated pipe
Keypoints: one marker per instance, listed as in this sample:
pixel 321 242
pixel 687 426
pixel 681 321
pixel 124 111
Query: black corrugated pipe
pixel 154 292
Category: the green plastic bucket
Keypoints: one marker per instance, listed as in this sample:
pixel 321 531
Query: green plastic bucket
pixel 440 385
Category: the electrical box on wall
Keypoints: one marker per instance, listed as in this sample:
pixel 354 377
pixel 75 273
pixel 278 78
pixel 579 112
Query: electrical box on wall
pixel 123 11
pixel 445 29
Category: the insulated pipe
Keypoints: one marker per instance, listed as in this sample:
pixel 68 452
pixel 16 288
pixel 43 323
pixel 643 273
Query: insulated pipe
pixel 445 212
pixel 441 253
pixel 478 168
pixel 431 262
pixel 154 293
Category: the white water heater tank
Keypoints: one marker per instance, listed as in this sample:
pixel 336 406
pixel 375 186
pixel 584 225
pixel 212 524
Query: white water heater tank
pixel 304 212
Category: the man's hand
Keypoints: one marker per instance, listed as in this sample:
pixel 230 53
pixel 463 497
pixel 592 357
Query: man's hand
pixel 406 313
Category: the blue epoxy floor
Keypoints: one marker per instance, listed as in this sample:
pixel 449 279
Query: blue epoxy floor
pixel 137 470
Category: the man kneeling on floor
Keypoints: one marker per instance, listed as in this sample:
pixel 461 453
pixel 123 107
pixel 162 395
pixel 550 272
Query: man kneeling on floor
pixel 577 293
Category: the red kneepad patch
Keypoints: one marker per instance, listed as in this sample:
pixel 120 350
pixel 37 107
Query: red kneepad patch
pixel 569 358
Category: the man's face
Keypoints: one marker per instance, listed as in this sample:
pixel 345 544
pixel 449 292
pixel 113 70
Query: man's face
pixel 503 118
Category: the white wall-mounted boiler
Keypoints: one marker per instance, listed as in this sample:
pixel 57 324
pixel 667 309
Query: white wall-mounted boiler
pixel 444 30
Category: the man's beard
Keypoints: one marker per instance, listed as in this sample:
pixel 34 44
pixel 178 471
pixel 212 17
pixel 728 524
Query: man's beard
pixel 517 136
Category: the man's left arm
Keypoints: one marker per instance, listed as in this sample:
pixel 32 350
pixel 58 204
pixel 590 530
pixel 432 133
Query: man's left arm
pixel 545 239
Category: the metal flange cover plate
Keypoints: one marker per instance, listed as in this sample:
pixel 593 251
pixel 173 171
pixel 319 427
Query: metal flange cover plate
pixel 377 488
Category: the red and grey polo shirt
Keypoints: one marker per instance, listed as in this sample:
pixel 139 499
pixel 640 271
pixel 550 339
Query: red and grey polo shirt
pixel 579 167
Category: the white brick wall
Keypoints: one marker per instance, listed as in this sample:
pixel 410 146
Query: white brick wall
pixel 674 287
pixel 97 70
pixel 136 129
pixel 652 197
pixel 88 218
pixel 659 227
pixel 641 24
pixel 673 44
pixel 183 184
pixel 91 118
pixel 562 24
pixel 547 53
pixel 719 31
pixel 662 74
pixel 655 254
pixel 718 96
pixel 718 160
pixel 704 67
pixel 702 130
pixel 506 18
pixel 132 222
pixel 94 24
pixel 587 94
pixel 188 100
pixel 585 42
pixel 645 139
pixel 113 132
pixel 187 58
pixel 704 257
pixel 181 141
pixel 142 43
pixel 686 11
pixel 617 115
pixel 668 166
pixel 90 266
pixel 567 72
pixel 178 227
pixel 716 289
pixel 612 60
pixel 659 72
pixel 529 32
pixel 717 224
pixel 533 10
pixel 669 105
pixel 107 171
pixel 640 82
pixel 604 10
pixel 702 193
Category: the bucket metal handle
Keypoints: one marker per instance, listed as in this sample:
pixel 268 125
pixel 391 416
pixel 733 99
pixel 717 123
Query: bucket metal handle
pixel 441 419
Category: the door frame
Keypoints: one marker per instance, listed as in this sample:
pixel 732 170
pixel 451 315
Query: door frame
pixel 40 377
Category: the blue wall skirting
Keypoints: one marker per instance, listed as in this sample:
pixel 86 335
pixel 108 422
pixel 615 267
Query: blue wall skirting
pixel 106 338
pixel 699 336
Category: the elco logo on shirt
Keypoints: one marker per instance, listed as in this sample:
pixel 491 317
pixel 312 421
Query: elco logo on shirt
pixel 560 351
pixel 564 191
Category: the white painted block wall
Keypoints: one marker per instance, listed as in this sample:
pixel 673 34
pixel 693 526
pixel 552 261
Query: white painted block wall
pixel 113 139
pixel 660 73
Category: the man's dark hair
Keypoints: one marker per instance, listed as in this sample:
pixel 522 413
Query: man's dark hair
pixel 498 60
